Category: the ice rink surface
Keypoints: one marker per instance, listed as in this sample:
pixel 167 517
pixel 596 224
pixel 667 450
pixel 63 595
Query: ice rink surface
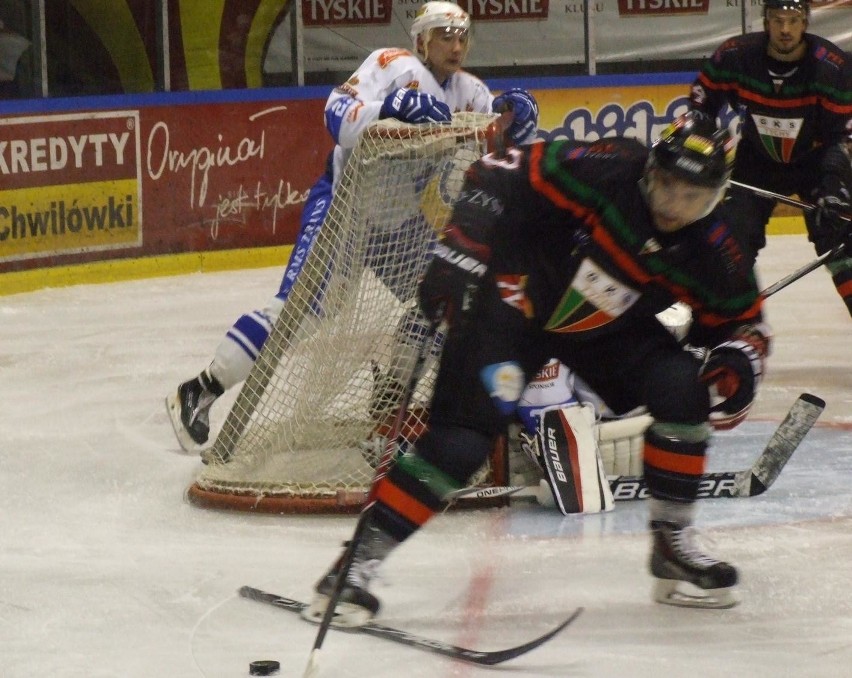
pixel 106 570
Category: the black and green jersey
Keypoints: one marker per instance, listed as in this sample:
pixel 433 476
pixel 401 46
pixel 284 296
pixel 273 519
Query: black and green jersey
pixel 572 245
pixel 787 109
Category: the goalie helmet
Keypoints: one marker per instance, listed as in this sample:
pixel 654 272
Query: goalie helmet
pixel 694 149
pixel 438 14
pixel 803 6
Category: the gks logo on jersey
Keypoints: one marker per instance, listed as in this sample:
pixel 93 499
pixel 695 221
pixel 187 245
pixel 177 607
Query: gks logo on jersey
pixel 594 299
pixel 778 135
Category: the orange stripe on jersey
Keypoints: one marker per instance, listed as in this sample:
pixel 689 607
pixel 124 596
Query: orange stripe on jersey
pixel 543 186
pixel 583 213
pixel 715 320
pixel 842 109
pixel 404 504
pixel 619 255
pixel 684 464
pixel 845 289
pixel 810 100
pixel 780 103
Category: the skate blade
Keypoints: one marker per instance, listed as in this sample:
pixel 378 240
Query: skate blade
pixel 683 594
pixel 184 440
pixel 346 615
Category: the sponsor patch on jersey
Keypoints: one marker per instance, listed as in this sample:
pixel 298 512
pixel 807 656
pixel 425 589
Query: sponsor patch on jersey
pixel 512 290
pixel 348 88
pixel 504 383
pixel 778 135
pixel 823 54
pixel 600 149
pixel 593 300
pixel 390 55
pixel 352 115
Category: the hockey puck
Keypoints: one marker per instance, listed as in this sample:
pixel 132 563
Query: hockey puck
pixel 264 667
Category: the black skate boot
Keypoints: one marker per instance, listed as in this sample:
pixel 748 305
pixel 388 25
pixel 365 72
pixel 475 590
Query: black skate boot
pixel 686 576
pixel 189 409
pixel 356 605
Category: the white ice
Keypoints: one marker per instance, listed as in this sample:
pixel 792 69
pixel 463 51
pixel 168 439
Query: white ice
pixel 106 570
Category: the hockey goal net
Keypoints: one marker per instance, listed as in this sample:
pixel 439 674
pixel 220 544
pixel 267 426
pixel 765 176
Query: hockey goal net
pixel 304 432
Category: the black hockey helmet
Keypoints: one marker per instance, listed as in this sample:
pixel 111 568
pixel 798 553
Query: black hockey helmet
pixel 693 148
pixel 803 6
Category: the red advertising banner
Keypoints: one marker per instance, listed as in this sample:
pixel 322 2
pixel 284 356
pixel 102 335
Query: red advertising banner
pixel 156 180
pixel 506 10
pixel 662 7
pixel 71 184
pixel 346 12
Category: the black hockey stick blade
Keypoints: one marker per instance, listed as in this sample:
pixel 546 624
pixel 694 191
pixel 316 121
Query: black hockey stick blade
pixel 483 658
pixel 787 437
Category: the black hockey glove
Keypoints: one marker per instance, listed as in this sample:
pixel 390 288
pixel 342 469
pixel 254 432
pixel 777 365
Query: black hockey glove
pixel 831 225
pixel 733 371
pixel 525 123
pixel 452 278
pixel 409 105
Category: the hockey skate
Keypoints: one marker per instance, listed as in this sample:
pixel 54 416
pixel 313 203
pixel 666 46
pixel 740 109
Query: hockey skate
pixel 189 410
pixel 686 576
pixel 356 605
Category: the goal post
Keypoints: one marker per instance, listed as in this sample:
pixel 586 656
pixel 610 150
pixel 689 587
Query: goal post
pixel 299 435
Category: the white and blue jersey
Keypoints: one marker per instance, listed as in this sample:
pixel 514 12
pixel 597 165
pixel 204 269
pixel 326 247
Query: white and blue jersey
pixel 354 106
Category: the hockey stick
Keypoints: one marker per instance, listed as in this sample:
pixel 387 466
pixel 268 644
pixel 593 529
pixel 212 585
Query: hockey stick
pixel 804 270
pixel 807 268
pixel 382 470
pixel 750 482
pixel 787 200
pixel 481 657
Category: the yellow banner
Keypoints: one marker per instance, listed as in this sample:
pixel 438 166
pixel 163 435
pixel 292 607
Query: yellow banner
pixel 47 220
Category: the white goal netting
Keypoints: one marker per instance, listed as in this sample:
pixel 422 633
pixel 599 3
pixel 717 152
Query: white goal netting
pixel 309 419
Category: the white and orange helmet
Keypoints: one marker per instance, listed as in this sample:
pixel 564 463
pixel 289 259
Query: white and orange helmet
pixel 438 14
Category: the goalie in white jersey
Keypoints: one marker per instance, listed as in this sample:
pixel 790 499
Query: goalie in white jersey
pixel 426 86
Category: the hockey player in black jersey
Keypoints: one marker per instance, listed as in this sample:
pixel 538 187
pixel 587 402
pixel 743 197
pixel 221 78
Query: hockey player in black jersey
pixel 569 249
pixel 793 93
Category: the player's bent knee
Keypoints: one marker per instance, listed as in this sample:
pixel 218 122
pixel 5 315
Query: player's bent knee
pixel 458 452
pixel 675 392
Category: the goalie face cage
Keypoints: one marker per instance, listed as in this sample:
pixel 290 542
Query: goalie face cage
pixel 305 431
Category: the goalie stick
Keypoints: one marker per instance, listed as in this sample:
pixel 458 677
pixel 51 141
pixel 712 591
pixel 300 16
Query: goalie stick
pixel 481 657
pixel 749 482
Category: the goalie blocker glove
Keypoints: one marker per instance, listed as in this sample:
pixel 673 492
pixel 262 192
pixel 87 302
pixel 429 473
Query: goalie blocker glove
pixel 453 276
pixel 525 122
pixel 409 105
pixel 733 371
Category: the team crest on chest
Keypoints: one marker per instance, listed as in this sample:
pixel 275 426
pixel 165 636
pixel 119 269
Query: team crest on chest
pixel 778 135
pixel 594 299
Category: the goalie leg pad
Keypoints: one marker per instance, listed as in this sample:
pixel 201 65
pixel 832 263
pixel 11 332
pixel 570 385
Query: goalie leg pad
pixel 620 444
pixel 572 462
